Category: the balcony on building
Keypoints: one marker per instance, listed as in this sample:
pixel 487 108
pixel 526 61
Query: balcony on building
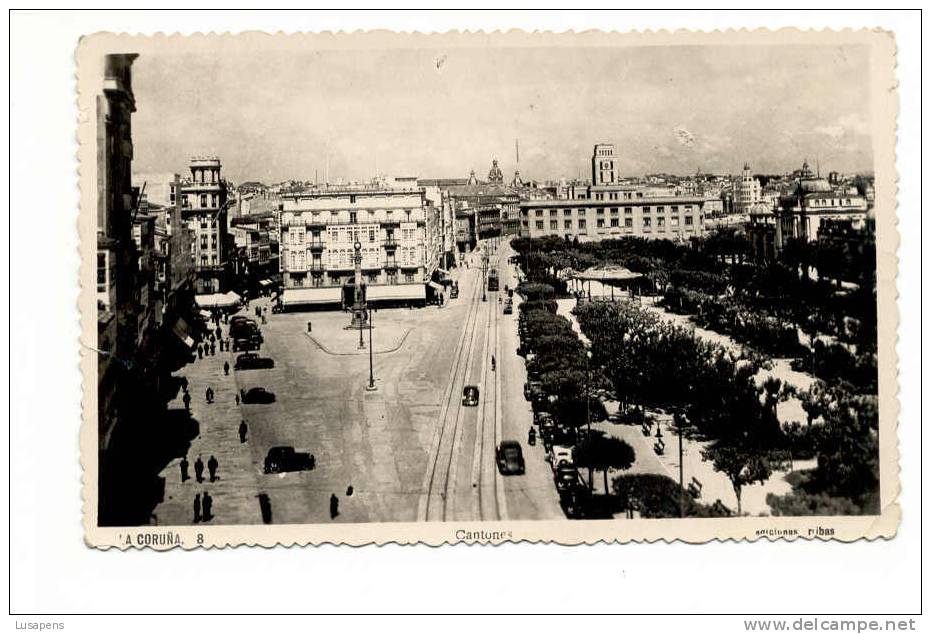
pixel 316 244
pixel 391 243
pixel 316 266
pixel 391 264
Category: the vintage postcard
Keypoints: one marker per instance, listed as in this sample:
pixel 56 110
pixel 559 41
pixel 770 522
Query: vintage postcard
pixel 437 288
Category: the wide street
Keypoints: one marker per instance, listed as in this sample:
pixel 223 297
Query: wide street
pixel 409 449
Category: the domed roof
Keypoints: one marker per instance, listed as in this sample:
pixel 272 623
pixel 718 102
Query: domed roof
pixel 813 186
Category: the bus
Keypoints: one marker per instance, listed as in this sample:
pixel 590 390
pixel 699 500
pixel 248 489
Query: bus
pixel 493 280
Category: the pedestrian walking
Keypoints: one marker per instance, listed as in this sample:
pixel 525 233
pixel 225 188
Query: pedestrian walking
pixel 184 383
pixel 264 320
pixel 349 491
pixel 219 332
pixel 208 507
pixel 213 348
pixel 200 351
pixel 243 429
pixel 237 400
pixel 212 337
pixel 199 469
pixel 334 506
pixel 197 508
pixel 212 466
pixel 186 399
pixel 184 474
pixel 226 368
pixel 209 395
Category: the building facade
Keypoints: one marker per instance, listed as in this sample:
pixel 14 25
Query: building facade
pixel 320 229
pixel 608 208
pixel 800 214
pixel 204 210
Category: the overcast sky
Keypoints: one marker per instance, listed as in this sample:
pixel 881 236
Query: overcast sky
pixel 439 113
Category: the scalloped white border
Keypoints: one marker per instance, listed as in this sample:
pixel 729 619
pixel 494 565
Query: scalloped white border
pixel 884 110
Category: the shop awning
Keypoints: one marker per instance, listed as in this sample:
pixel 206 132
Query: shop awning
pixel 183 332
pixel 218 300
pixel 328 295
pixel 437 287
pixel 396 291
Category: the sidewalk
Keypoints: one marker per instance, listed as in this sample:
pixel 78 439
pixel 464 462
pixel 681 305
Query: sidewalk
pixel 234 493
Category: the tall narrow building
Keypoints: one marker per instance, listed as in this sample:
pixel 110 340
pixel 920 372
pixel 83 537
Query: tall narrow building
pixel 203 207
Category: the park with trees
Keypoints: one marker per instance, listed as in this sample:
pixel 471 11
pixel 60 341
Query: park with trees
pixel 786 309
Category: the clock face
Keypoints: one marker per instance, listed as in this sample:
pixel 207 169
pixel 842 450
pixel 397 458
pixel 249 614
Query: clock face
pixel 357 246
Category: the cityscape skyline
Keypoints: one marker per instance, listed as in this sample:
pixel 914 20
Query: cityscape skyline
pixel 306 119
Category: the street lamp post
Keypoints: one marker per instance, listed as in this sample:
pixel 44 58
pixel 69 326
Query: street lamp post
pixel 588 387
pixel 371 386
pixel 678 419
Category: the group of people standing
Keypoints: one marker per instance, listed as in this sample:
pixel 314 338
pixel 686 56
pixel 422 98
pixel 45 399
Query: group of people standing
pixel 203 503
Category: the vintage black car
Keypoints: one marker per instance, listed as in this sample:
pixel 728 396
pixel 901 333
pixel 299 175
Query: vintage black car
pixel 566 477
pixel 282 459
pixel 257 396
pixel 470 395
pixel 252 361
pixel 510 458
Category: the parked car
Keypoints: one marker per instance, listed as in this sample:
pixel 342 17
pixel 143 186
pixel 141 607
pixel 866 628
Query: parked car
pixel 282 459
pixel 252 361
pixel 560 455
pixel 509 307
pixel 470 395
pixel 532 389
pixel 510 458
pixel 566 477
pixel 454 292
pixel 257 395
pixel 245 334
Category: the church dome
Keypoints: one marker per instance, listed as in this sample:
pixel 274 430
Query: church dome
pixel 813 186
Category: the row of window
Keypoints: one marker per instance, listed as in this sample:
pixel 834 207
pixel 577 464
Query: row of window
pixel 213 198
pixel 354 234
pixel 334 279
pixel 660 209
pixel 367 215
pixel 344 258
pixel 615 222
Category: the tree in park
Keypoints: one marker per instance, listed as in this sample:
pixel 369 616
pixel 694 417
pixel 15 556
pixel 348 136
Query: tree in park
pixel 598 452
pixel 742 464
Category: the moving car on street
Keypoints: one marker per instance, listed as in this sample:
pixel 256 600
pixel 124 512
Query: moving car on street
pixel 510 458
pixel 252 361
pixel 257 396
pixel 508 307
pixel 282 459
pixel 470 395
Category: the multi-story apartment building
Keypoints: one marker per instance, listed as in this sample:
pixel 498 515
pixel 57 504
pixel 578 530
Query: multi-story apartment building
pixel 321 228
pixel 610 209
pixel 748 192
pixel 204 209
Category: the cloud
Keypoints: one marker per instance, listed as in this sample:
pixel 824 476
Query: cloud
pixel 684 137
pixel 847 124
